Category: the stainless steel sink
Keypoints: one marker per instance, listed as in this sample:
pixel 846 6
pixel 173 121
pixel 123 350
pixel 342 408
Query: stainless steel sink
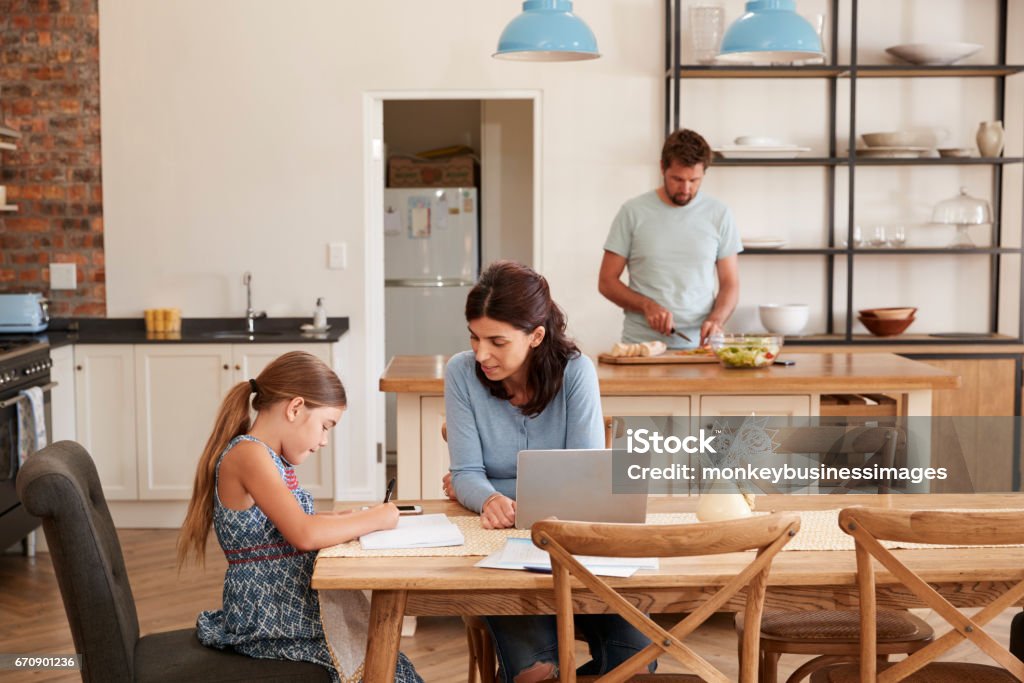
pixel 240 334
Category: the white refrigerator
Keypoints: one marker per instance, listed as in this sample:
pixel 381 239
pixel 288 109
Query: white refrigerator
pixel 431 261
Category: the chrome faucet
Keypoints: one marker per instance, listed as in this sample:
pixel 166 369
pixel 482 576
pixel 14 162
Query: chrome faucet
pixel 250 314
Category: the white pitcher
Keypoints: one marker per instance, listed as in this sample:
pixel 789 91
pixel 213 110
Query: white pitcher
pixel 990 138
pixel 723 501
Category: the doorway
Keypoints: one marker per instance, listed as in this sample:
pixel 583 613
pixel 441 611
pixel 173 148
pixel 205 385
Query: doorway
pixel 502 131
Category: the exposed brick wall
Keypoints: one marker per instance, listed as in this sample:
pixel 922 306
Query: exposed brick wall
pixel 50 92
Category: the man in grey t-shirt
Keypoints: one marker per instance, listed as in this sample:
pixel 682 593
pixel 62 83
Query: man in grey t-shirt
pixel 676 243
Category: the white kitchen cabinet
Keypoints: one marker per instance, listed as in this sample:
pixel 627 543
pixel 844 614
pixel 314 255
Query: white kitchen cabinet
pixel 62 396
pixel 179 390
pixel 676 407
pixel 144 412
pixel 105 414
pixel 780 405
pixel 434 464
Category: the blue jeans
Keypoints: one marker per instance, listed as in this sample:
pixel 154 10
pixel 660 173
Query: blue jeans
pixel 521 642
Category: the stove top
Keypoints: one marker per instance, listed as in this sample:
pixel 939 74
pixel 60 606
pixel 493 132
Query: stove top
pixel 13 346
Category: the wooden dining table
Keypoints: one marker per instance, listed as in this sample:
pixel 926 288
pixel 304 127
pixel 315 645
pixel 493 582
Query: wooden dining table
pixel 799 580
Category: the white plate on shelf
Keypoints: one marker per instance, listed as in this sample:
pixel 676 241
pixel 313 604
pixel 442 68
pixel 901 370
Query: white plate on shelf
pixel 760 151
pixel 763 242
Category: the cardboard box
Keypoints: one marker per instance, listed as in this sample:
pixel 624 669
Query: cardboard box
pixel 460 171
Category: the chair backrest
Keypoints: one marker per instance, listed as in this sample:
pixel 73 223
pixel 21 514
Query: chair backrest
pixel 59 484
pixel 870 526
pixel 879 443
pixel 767 534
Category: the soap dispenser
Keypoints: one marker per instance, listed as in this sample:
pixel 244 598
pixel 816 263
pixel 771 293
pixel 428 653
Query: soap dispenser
pixel 319 315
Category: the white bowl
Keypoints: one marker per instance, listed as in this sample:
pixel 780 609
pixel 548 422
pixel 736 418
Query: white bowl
pixel 902 138
pixel 784 318
pixel 757 141
pixel 933 54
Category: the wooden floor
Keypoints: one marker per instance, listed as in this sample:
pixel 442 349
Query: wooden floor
pixel 33 620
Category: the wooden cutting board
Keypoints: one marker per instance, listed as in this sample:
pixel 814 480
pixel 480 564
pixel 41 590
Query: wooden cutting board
pixel 669 356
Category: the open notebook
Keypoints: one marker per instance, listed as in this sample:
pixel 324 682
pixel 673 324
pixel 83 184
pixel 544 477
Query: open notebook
pixel 421 531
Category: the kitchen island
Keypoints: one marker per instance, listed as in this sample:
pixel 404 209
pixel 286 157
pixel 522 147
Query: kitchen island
pixel 680 390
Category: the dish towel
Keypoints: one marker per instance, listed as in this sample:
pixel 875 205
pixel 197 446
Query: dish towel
pixel 31 423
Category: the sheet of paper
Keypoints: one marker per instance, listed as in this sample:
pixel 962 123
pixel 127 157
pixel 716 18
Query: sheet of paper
pixel 440 210
pixel 517 553
pixel 392 222
pixel 419 217
pixel 418 531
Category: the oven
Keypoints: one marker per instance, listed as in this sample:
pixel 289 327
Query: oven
pixel 24 363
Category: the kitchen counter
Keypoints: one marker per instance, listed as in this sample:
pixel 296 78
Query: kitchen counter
pixel 819 372
pixel 676 390
pixel 63 332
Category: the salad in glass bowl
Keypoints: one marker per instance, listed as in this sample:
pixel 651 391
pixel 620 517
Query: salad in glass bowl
pixel 746 350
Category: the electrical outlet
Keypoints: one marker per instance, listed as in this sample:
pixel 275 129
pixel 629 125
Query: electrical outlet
pixel 337 255
pixel 63 276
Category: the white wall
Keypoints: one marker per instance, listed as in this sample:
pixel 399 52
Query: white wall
pixel 232 141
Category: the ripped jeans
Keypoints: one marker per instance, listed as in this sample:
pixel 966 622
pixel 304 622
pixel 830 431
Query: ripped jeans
pixel 521 642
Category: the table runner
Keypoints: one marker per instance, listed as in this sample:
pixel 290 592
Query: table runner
pixel 819 530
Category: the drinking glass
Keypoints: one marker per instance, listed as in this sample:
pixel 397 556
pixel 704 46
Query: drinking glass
pixel 707 24
pixel 857 241
pixel 897 236
pixel 879 239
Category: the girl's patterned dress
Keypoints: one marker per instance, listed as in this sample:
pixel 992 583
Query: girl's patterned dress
pixel 270 611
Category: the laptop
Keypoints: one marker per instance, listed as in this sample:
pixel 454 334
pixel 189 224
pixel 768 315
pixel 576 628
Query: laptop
pixel 574 485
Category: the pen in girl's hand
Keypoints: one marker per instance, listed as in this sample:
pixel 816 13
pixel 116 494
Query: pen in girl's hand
pixel 390 490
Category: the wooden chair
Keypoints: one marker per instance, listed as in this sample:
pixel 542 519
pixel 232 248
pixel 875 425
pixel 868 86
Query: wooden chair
pixel 834 635
pixel 482 660
pixel 767 534
pixel 870 526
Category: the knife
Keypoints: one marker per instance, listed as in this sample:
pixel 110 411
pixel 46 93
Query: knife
pixel 680 334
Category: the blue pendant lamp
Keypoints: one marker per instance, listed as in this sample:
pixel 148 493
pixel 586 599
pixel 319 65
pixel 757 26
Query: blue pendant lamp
pixel 547 31
pixel 770 31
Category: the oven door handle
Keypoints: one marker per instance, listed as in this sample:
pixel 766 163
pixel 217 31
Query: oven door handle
pixel 14 399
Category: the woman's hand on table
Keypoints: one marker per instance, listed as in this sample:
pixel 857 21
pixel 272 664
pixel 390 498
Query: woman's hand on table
pixel 447 488
pixel 499 512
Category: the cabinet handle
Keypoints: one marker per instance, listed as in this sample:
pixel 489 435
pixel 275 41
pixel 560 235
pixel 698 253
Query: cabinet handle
pixel 226 367
pixel 78 367
pixel 238 367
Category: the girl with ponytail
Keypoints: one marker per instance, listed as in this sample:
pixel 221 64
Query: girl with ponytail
pixel 523 385
pixel 246 490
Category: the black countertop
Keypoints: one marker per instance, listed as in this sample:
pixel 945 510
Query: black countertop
pixel 65 331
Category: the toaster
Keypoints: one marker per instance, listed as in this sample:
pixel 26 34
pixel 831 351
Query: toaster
pixel 23 313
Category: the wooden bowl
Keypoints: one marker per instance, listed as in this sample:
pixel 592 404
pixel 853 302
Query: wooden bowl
pixel 885 328
pixel 894 313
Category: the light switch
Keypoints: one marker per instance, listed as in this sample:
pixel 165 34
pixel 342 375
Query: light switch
pixel 63 276
pixel 337 255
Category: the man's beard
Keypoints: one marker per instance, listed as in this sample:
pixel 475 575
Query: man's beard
pixel 676 198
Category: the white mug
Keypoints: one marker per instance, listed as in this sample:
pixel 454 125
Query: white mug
pixel 3 195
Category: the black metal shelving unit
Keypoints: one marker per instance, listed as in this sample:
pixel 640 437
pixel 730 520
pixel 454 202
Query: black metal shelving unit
pixel 833 72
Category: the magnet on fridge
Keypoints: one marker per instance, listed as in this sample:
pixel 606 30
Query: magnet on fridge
pixel 440 211
pixel 467 201
pixel 419 217
pixel 392 222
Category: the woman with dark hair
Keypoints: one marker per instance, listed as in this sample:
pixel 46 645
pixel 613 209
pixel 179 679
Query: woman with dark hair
pixel 525 384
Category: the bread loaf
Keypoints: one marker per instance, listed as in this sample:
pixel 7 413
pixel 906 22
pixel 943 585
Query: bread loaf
pixel 654 348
